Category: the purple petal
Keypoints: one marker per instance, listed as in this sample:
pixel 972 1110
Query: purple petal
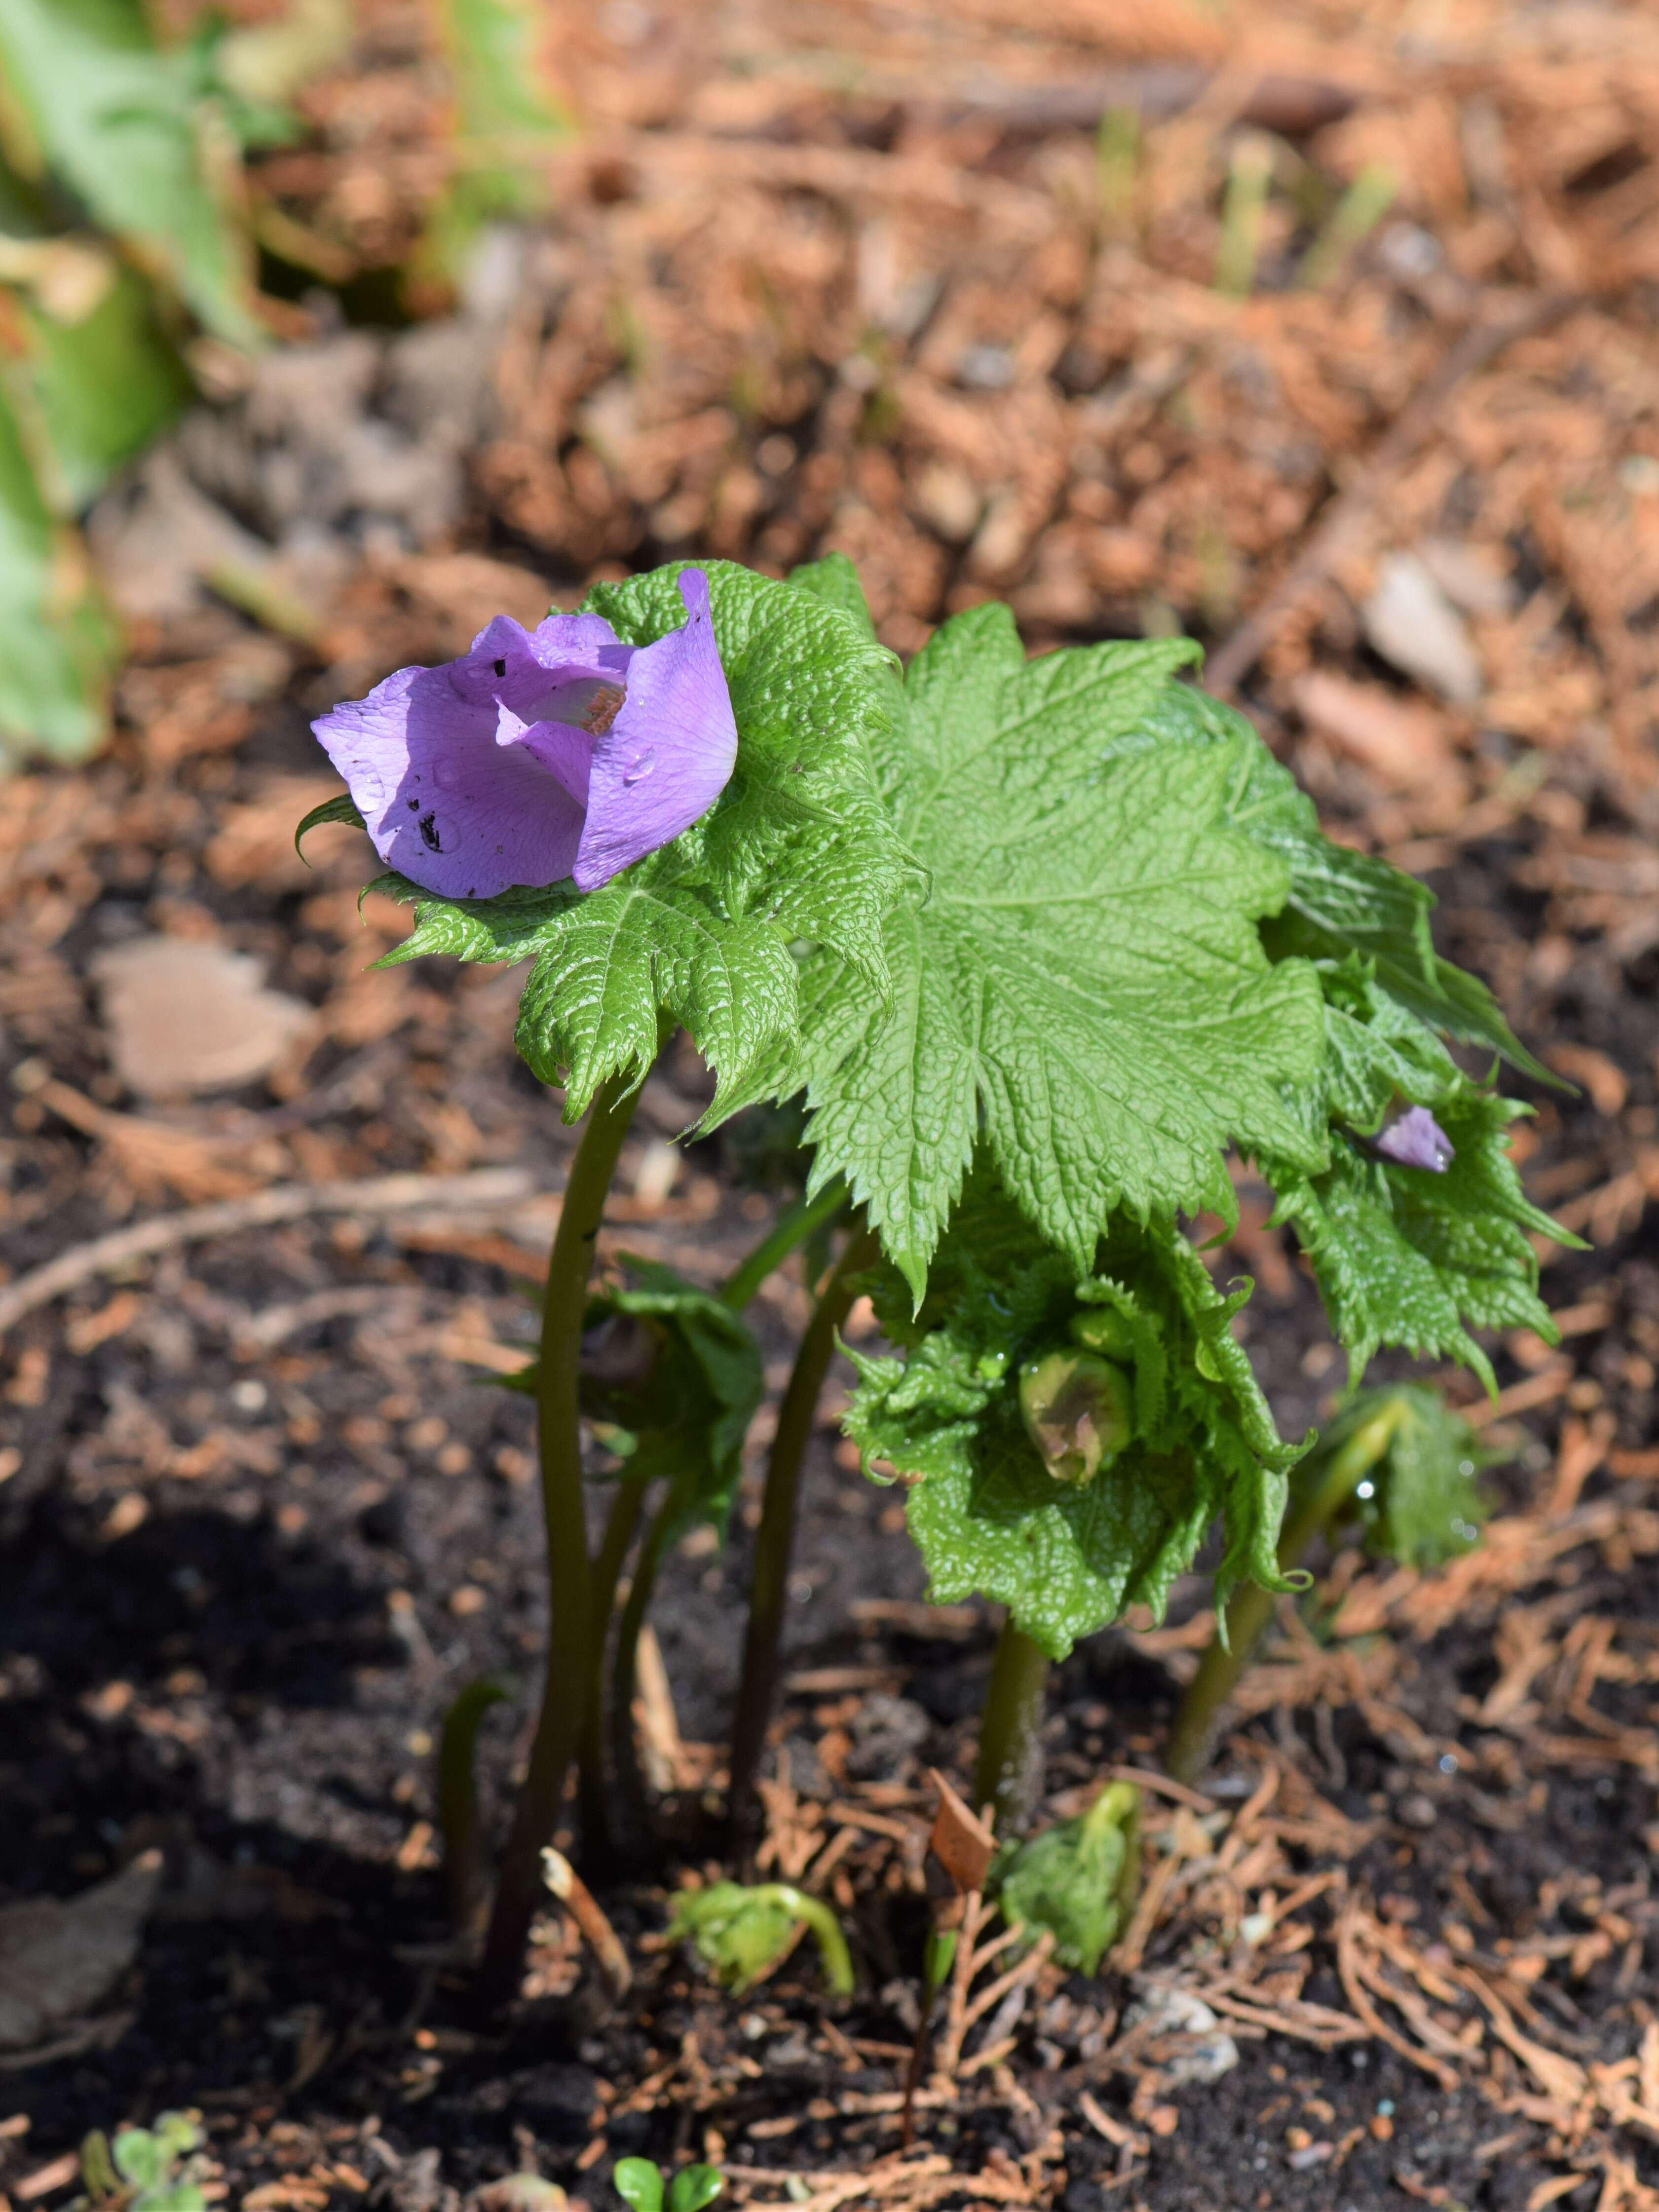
pixel 443 803
pixel 1417 1140
pixel 670 752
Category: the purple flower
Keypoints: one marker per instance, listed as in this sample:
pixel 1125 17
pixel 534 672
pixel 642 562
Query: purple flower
pixel 540 754
pixel 1417 1140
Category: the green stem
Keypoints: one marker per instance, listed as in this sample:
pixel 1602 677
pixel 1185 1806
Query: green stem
pixel 458 1795
pixel 569 1631
pixel 794 1225
pixel 774 1539
pixel 1008 1774
pixel 624 1668
pixel 619 1530
pixel 1198 1721
pixel 608 1743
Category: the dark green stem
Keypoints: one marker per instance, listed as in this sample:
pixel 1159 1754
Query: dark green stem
pixel 619 1531
pixel 632 1802
pixel 774 1539
pixel 1008 1774
pixel 569 1631
pixel 794 1225
pixel 458 1795
pixel 1198 1721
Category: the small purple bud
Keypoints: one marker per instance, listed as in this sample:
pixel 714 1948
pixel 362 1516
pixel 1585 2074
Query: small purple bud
pixel 1417 1140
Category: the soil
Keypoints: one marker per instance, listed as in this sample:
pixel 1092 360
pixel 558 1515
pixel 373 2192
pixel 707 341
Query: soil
pixel 262 1514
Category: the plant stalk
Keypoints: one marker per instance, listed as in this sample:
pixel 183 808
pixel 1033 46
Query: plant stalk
pixel 569 1631
pixel 620 1527
pixel 1198 1721
pixel 632 1803
pixel 774 1539
pixel 1008 1773
pixel 794 1225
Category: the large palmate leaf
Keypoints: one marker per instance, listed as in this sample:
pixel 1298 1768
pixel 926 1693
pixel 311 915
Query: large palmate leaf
pixel 1066 1557
pixel 798 847
pixel 1083 966
pixel 1340 900
pixel 90 98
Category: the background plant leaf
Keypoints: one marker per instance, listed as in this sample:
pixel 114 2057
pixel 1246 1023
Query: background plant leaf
pixel 89 97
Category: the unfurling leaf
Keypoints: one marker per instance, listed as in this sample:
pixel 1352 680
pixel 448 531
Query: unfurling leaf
pixel 1417 1493
pixel 741 1934
pixel 1077 1881
pixel 1067 1557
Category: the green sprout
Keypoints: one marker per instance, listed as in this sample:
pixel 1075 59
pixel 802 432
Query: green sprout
pixel 639 2183
pixel 740 1934
pixel 1079 1880
pixel 146 2169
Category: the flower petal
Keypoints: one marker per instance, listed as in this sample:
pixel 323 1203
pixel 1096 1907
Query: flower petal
pixel 670 752
pixel 1417 1140
pixel 443 803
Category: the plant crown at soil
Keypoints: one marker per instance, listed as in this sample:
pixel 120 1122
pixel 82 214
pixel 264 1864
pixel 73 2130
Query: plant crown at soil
pixel 1040 944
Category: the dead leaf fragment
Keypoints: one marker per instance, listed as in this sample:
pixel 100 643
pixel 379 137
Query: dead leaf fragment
pixel 61 1957
pixel 961 1842
pixel 183 1016
pixel 1403 743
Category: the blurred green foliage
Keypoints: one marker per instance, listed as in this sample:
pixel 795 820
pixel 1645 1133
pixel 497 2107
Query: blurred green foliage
pixel 126 263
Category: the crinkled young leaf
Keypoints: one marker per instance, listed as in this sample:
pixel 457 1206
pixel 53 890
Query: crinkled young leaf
pixel 1084 967
pixel 706 1390
pixel 1068 1558
pixel 798 846
pixel 1078 1880
pixel 1411 1257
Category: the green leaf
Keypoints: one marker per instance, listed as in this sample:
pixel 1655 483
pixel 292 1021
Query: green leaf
pixel 798 847
pixel 57 644
pixel 342 807
pixel 141 2159
pixel 1420 1501
pixel 87 96
pixel 692 1410
pixel 835 581
pixel 98 387
pixel 1085 971
pixel 1340 900
pixel 799 839
pixel 1067 1557
pixel 694 2187
pixel 638 2182
pixel 1078 1880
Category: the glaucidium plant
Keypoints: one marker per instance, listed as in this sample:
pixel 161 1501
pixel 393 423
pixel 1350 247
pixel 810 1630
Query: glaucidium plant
pixel 1044 947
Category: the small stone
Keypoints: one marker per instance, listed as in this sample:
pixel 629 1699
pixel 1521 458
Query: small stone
pixel 1164 2119
pixel 1417 1811
pixel 1410 621
pixel 1204 2053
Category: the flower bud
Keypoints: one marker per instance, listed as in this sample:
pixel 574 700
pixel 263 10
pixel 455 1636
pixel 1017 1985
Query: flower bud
pixel 1077 1412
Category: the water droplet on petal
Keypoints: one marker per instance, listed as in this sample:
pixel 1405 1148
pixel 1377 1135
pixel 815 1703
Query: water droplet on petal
pixel 639 767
